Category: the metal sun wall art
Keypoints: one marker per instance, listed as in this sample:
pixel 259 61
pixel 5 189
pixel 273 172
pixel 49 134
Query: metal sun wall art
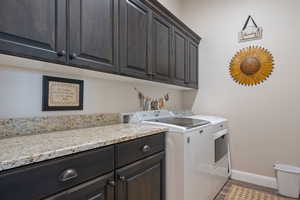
pixel 251 65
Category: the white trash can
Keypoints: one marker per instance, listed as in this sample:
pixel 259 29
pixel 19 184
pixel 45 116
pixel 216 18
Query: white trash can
pixel 288 180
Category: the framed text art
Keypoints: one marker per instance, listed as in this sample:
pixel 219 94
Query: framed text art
pixel 62 94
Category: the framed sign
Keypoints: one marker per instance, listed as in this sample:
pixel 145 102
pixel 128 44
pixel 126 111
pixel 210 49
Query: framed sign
pixel 62 94
pixel 249 32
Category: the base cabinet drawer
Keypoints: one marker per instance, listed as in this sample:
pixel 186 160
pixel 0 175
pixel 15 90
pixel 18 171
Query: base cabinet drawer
pixel 129 152
pixel 99 189
pixel 41 180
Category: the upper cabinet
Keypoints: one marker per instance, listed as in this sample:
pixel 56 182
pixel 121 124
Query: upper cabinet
pixel 192 79
pixel 161 46
pixel 180 72
pixel 93 34
pixel 34 29
pixel 134 38
pixel 137 38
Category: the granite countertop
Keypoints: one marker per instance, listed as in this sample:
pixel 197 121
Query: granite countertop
pixel 23 150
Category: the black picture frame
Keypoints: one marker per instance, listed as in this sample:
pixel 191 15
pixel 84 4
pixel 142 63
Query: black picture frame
pixel 45 101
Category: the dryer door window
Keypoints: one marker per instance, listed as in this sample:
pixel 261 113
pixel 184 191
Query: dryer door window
pixel 221 147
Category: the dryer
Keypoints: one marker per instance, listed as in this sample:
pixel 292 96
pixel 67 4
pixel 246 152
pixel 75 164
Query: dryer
pixel 190 156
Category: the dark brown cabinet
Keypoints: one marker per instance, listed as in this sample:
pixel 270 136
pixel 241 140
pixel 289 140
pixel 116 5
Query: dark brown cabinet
pixel 180 59
pixel 137 38
pixel 50 177
pixel 161 62
pixel 106 173
pixel 193 64
pixel 134 38
pixel 34 29
pixel 93 34
pixel 99 189
pixel 143 180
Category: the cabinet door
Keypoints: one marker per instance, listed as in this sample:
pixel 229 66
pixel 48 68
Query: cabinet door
pixel 99 189
pixel 193 65
pixel 93 34
pixel 134 38
pixel 143 180
pixel 34 29
pixel 161 46
pixel 180 58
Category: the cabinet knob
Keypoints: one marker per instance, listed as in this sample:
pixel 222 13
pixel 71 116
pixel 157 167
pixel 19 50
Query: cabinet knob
pixel 73 56
pixel 68 174
pixel 112 183
pixel 61 53
pixel 122 178
pixel 146 148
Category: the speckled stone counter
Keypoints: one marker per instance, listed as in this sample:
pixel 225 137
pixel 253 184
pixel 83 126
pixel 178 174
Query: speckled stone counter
pixel 36 125
pixel 24 150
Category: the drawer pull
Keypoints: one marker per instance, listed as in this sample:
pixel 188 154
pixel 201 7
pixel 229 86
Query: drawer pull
pixel 68 174
pixel 146 148
pixel 61 53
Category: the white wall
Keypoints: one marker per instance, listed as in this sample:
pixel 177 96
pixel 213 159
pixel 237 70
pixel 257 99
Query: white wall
pixel 264 119
pixel 21 94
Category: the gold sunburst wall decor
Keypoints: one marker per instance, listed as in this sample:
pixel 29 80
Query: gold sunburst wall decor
pixel 251 65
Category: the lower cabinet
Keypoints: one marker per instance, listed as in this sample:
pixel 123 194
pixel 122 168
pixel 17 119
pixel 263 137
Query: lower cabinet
pixel 143 180
pixel 105 173
pixel 99 189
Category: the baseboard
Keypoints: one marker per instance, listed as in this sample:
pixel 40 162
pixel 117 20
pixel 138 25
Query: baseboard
pixel 265 181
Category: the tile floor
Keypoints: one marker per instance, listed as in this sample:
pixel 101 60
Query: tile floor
pixel 224 194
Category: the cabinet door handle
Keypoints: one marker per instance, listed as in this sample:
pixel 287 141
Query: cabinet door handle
pixel 68 174
pixel 61 53
pixel 73 56
pixel 146 148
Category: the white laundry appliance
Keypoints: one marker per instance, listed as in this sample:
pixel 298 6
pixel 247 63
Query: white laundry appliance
pixel 190 155
pixel 221 150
